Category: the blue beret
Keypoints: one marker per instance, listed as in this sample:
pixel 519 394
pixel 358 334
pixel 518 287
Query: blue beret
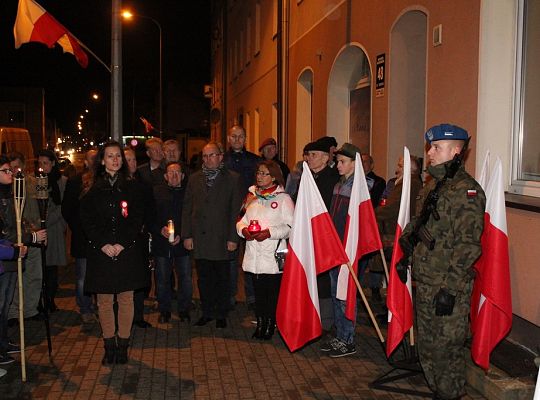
pixel 446 132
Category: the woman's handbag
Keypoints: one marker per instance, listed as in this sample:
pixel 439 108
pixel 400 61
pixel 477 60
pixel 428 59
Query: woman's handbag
pixel 280 255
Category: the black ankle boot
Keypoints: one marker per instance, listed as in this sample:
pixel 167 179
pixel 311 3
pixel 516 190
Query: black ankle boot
pixel 110 351
pixel 122 351
pixel 258 334
pixel 269 328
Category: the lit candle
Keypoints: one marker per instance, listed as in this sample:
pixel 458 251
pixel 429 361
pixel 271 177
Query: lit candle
pixel 170 227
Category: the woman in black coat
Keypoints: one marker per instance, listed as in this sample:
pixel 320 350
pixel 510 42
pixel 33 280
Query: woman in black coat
pixel 112 214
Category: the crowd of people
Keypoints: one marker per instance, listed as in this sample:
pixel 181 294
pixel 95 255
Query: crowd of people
pixel 235 210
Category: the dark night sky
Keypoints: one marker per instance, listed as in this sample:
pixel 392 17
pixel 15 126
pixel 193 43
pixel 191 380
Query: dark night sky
pixel 186 52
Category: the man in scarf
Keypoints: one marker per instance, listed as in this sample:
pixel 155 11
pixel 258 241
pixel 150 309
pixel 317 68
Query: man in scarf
pixel 211 204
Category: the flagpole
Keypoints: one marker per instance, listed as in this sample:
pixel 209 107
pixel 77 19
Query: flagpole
pixel 353 274
pixel 91 53
pixel 411 335
pixel 384 265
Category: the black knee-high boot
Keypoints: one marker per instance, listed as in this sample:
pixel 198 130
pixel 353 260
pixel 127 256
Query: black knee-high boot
pixel 110 351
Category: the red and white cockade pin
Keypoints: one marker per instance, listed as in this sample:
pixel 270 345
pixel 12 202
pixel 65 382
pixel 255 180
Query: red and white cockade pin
pixel 124 207
pixel 274 204
pixel 471 193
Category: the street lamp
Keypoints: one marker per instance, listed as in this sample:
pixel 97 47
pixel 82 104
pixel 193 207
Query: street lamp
pixel 127 15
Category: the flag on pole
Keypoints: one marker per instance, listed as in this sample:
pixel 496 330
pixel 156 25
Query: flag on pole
pixel 314 247
pixel 148 127
pixel 361 237
pixel 35 24
pixel 475 296
pixel 492 309
pixel 399 295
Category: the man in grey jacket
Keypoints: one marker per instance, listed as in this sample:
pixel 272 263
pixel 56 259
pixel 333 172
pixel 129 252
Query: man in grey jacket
pixel 211 205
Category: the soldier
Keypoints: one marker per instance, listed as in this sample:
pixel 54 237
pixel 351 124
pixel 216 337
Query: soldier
pixel 444 240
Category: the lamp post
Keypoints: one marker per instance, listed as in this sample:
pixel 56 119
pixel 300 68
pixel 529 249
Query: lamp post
pixel 128 15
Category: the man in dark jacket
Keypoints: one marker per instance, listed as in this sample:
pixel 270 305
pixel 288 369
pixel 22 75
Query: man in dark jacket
pixel 211 205
pixel 70 212
pixel 268 150
pixel 376 184
pixel 167 250
pixel 151 173
pixel 325 178
pixel 238 159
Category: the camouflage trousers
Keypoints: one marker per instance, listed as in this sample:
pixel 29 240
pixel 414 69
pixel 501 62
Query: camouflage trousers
pixel 441 341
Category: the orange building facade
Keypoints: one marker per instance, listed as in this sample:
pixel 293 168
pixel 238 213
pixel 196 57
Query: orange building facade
pixel 378 74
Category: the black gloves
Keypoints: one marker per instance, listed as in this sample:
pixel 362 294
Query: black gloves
pixel 402 267
pixel 407 243
pixel 444 302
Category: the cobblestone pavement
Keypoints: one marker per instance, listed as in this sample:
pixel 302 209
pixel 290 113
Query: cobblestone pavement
pixel 177 360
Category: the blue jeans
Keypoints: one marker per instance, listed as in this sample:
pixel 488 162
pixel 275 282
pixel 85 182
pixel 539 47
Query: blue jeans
pixel 7 289
pixel 164 267
pixel 344 326
pixel 85 303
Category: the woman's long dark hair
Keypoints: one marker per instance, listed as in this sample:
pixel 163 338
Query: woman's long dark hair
pixel 98 169
pixel 52 176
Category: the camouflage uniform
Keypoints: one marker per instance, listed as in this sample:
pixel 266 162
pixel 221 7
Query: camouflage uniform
pixel 457 233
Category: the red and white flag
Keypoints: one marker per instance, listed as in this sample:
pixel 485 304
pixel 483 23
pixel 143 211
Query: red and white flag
pixel 314 247
pixel 475 296
pixel 399 295
pixel 491 303
pixel 361 237
pixel 148 127
pixel 35 24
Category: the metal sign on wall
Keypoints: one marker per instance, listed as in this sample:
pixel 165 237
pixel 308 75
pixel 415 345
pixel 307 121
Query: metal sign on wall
pixel 380 76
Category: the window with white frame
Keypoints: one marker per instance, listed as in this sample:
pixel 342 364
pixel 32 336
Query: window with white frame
pixel 526 144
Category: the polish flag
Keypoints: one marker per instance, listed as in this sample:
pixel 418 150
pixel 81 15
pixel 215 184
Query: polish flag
pixel 399 295
pixel 314 247
pixel 475 296
pixel 492 308
pixel 361 237
pixel 35 24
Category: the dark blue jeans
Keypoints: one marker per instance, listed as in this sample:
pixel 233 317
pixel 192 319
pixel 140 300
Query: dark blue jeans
pixel 164 268
pixel 344 326
pixel 85 303
pixel 7 289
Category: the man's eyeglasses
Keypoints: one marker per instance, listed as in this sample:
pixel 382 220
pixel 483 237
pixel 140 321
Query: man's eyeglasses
pixel 262 173
pixel 7 171
pixel 211 155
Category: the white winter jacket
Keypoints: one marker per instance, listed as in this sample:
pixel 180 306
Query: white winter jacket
pixel 274 213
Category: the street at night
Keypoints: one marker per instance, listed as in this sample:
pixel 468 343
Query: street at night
pixel 180 361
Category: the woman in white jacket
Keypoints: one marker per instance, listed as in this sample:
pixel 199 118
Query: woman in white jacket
pixel 269 205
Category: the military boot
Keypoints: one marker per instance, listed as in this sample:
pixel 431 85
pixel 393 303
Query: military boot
pixel 269 329
pixel 258 334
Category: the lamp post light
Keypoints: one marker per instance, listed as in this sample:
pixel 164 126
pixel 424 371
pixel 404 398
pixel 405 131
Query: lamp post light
pixel 127 15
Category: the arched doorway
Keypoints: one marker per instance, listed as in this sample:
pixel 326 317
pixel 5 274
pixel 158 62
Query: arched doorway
pixel 349 99
pixel 407 86
pixel 304 114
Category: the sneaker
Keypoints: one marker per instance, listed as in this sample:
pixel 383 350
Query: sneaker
pixel 342 349
pixel 6 359
pixel 329 345
pixel 2 372
pixel 13 348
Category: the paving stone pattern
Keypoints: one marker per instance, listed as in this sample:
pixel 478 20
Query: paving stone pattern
pixel 177 360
